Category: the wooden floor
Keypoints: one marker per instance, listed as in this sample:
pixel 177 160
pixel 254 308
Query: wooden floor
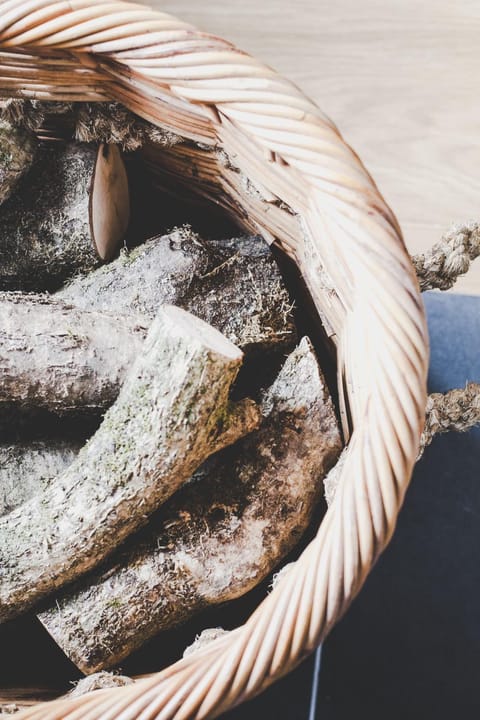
pixel 401 78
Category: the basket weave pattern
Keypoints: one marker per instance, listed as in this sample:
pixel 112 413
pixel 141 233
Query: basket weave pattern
pixel 249 128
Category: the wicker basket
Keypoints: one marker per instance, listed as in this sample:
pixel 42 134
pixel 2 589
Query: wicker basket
pixel 247 125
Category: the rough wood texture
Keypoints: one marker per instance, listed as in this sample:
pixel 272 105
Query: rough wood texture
pixel 173 411
pixel 68 214
pixel 63 355
pixel 234 285
pixel 29 468
pixel 18 147
pixel 58 357
pixel 219 536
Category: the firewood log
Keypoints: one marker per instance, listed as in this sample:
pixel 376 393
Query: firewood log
pixel 173 412
pixel 68 358
pixel 219 536
pixel 18 147
pixel 234 285
pixel 60 358
pixel 68 214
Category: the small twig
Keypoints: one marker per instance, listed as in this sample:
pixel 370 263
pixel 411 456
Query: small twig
pixel 225 264
pixel 449 258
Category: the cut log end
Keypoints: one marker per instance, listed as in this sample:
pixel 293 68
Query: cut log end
pixel 198 331
pixel 109 207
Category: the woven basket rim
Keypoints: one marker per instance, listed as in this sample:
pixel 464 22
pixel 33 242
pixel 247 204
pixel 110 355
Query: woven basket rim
pixel 317 201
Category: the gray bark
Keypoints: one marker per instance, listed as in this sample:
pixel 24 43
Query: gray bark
pixel 173 411
pixel 70 357
pixel 18 147
pixel 234 285
pixel 68 214
pixel 60 358
pixel 218 536
pixel 29 468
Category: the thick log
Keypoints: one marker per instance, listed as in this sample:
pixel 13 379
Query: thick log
pixel 68 214
pixel 18 147
pixel 60 358
pixel 72 358
pixel 218 536
pixel 172 412
pixel 29 468
pixel 234 285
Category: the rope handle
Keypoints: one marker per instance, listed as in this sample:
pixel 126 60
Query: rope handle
pixel 438 269
pixel 454 410
pixel 441 266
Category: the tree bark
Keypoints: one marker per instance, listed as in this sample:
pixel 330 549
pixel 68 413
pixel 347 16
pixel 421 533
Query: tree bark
pixel 18 147
pixel 60 358
pixel 218 536
pixel 68 214
pixel 29 468
pixel 234 285
pixel 69 357
pixel 173 411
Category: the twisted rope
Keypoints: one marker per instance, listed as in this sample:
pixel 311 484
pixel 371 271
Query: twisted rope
pixel 319 203
pixel 451 257
pixel 439 268
pixel 455 410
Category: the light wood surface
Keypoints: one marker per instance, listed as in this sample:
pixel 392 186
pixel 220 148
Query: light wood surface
pixel 399 77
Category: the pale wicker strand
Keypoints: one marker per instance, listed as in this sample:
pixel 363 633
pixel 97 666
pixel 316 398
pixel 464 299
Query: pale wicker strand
pixel 352 258
pixel 445 262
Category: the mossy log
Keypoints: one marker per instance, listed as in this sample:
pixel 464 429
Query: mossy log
pixel 173 411
pixel 29 468
pixel 18 148
pixel 219 536
pixel 234 285
pixel 57 357
pixel 68 214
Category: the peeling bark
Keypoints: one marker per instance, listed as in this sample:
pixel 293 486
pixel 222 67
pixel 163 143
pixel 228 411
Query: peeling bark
pixel 219 536
pixel 173 411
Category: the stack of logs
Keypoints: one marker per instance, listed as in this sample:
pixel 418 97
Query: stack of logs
pixel 213 426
